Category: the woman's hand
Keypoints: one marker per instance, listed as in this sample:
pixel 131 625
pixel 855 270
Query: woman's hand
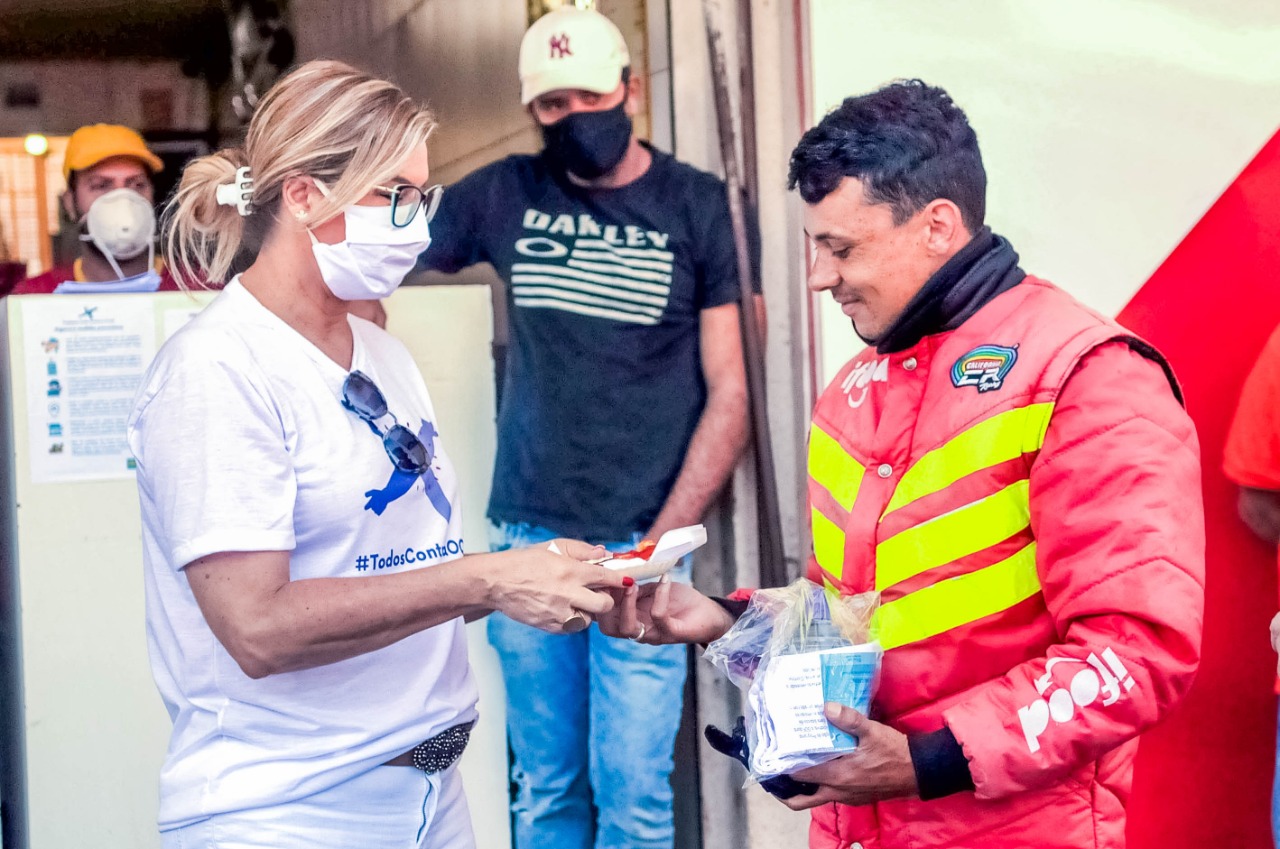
pixel 665 612
pixel 555 592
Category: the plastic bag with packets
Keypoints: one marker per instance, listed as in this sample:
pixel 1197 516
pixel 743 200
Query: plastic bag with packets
pixel 796 648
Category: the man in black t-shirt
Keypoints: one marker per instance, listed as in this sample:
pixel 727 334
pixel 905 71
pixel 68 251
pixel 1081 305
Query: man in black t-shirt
pixel 622 414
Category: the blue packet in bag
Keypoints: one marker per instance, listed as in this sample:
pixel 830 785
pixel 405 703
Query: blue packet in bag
pixel 849 677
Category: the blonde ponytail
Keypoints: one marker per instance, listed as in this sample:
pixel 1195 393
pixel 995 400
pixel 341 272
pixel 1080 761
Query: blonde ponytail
pixel 324 119
pixel 202 237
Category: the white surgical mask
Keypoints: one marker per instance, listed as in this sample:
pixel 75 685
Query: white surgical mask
pixel 372 261
pixel 121 224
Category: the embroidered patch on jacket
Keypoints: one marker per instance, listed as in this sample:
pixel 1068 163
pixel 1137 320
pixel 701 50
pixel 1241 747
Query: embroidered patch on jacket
pixel 984 367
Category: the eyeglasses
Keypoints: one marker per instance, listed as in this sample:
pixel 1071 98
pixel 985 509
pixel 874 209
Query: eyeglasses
pixel 407 199
pixel 362 396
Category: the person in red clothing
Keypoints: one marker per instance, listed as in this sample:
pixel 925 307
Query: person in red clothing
pixel 1251 458
pixel 108 169
pixel 1014 474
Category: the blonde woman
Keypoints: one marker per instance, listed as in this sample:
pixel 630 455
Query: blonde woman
pixel 305 589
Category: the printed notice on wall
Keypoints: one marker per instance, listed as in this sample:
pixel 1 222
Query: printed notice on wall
pixel 85 359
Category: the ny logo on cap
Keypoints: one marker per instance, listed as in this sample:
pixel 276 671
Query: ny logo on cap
pixel 560 46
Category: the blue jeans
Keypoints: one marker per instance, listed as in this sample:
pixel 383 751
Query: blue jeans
pixel 592 722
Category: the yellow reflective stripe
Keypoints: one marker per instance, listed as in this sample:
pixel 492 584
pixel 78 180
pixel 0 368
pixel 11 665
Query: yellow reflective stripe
pixel 958 601
pixel 832 468
pixel 967 530
pixel 828 544
pixel 995 440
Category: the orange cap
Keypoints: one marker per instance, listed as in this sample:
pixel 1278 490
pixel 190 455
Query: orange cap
pixel 91 144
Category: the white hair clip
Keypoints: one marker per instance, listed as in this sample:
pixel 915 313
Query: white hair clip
pixel 238 193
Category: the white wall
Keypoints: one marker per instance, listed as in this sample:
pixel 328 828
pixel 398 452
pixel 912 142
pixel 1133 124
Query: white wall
pixel 76 93
pixel 1108 127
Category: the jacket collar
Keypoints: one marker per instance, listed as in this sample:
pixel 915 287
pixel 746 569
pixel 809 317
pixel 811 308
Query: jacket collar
pixel 982 269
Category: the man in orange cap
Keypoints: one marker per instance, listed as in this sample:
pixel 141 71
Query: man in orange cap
pixel 108 169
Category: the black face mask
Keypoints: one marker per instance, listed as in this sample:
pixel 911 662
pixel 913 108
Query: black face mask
pixel 589 144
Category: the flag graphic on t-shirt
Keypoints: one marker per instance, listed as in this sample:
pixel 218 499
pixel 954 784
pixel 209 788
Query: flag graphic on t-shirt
pixel 401 481
pixel 611 272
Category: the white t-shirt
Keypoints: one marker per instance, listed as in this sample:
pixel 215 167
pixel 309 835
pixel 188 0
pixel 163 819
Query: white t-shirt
pixel 243 445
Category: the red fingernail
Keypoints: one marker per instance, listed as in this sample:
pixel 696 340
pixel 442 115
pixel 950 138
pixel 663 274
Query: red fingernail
pixel 628 581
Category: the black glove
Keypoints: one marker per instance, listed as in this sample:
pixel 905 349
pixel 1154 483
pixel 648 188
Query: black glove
pixel 735 746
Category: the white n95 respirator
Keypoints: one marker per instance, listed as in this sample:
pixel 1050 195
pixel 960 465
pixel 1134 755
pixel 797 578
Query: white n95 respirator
pixel 121 224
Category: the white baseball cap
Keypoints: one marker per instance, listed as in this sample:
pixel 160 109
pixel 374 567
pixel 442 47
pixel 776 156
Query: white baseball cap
pixel 571 48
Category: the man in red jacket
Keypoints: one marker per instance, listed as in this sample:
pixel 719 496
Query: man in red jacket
pixel 1251 459
pixel 108 167
pixel 1015 476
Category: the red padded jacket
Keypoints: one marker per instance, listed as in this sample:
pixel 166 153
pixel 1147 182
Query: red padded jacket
pixel 1024 491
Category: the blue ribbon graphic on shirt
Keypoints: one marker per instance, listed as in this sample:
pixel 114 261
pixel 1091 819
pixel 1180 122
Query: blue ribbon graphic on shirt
pixel 401 481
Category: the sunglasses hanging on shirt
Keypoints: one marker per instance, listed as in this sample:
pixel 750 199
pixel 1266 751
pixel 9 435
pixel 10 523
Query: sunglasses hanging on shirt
pixel 362 396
